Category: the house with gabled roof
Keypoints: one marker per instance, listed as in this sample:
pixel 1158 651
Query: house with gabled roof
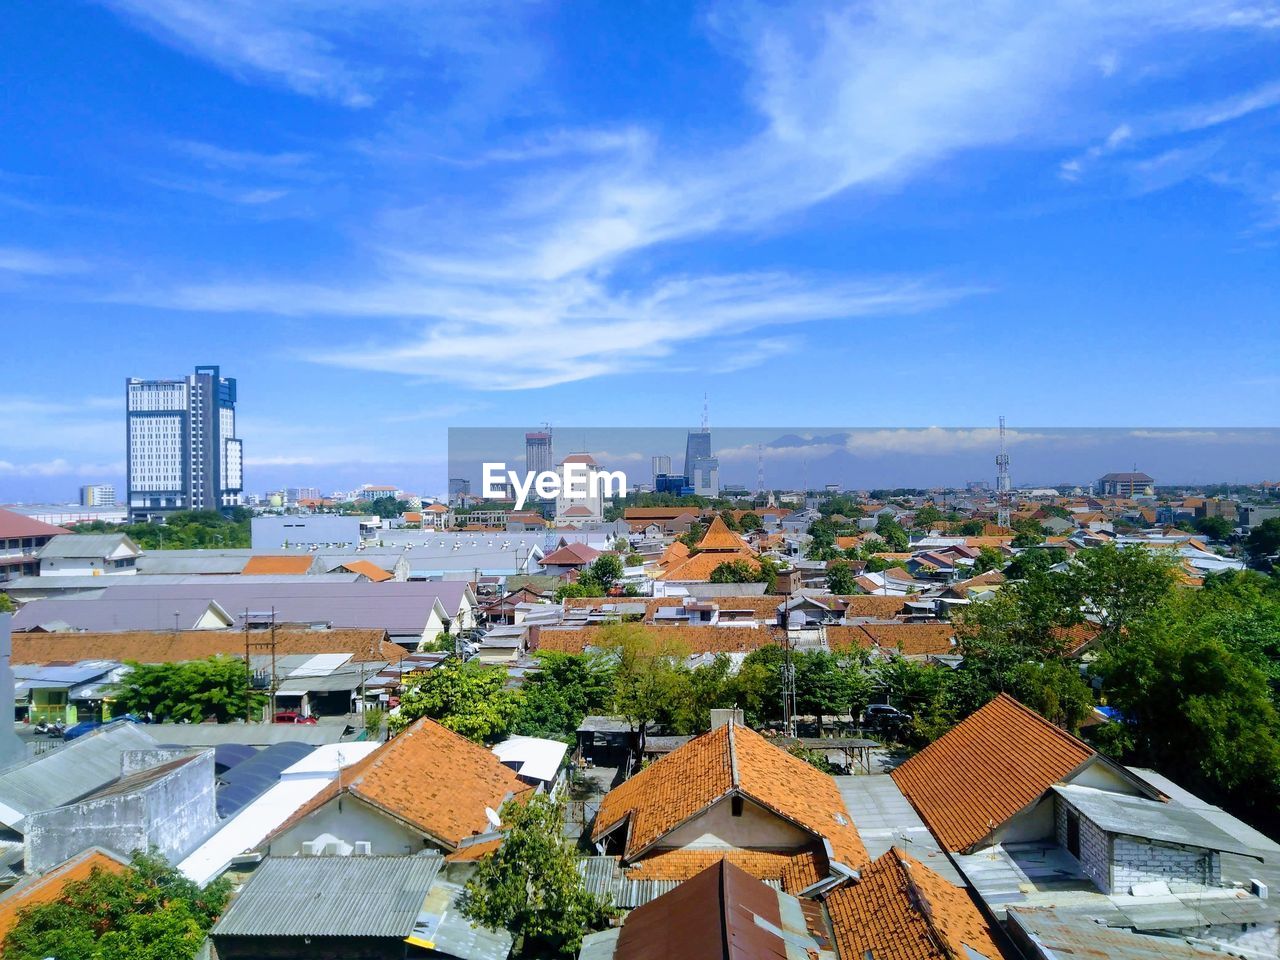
pixel 426 788
pixel 731 794
pixel 898 908
pixel 718 545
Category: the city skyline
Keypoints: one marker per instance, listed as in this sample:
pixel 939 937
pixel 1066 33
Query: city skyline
pixel 864 215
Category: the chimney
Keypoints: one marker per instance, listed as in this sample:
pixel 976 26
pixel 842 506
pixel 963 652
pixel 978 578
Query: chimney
pixel 12 749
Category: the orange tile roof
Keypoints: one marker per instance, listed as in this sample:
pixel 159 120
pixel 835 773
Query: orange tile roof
pixel 988 767
pixel 48 886
pixel 796 871
pixel 291 566
pixel 700 566
pixel 880 607
pixel 474 851
pixel 148 646
pixel 841 638
pixel 729 759
pixel 899 909
pixel 367 568
pixel 912 639
pixel 720 537
pixel 429 777
pixel 689 639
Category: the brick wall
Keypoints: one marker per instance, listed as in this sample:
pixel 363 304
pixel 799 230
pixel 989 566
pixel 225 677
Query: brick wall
pixel 1095 845
pixel 1185 870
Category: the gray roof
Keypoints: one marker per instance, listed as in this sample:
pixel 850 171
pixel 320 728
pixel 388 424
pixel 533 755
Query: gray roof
pixel 89 545
pixel 254 734
pixel 603 724
pixel 331 897
pixel 68 773
pixel 885 818
pixel 1150 820
pixel 712 590
pixel 107 613
pixel 442 923
pixel 1055 934
pixel 346 677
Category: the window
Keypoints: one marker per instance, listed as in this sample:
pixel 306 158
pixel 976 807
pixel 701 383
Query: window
pixel 1073 834
pixel 735 806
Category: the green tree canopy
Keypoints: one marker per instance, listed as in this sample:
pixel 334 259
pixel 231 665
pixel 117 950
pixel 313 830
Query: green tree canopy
pixel 1264 541
pixel 564 689
pixel 193 691
pixel 149 912
pixel 469 698
pixel 1215 528
pixel 531 885
pixel 840 579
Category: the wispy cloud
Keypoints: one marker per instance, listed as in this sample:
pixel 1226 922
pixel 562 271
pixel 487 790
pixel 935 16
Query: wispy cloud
pixel 39 263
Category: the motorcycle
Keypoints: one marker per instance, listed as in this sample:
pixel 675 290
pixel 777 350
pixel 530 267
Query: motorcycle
pixel 51 728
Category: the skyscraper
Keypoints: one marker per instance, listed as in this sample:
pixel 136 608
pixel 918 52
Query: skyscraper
pixel 661 468
pixel 98 495
pixel 537 452
pixel 182 449
pixel 696 447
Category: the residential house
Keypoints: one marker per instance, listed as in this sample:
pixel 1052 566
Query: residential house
pixel 427 788
pixel 89 555
pixel 730 794
pixel 717 545
pixel 21 539
pixel 570 557
pixel 48 886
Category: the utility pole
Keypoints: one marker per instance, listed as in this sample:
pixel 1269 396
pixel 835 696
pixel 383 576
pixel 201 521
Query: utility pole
pixel 1003 491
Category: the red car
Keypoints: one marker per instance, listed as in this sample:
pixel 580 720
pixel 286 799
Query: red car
pixel 293 716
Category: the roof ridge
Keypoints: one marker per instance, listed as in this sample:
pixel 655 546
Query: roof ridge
pixel 1048 724
pixel 734 780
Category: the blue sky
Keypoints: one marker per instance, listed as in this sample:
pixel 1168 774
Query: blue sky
pixel 386 218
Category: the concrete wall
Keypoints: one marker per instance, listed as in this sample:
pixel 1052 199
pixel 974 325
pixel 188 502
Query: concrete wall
pixel 1095 845
pixel 173 814
pixel 350 820
pixel 272 533
pixel 1185 869
pixel 757 828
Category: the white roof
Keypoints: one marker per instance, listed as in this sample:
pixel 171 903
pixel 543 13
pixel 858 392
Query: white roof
pixel 532 757
pixel 244 831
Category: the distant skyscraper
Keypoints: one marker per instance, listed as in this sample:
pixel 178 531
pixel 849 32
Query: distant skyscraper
pixel 538 457
pixel 705 477
pixel 459 487
pixel 661 468
pixel 696 447
pixel 98 495
pixel 183 453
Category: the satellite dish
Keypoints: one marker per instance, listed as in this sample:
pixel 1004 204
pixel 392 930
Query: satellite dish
pixel 494 820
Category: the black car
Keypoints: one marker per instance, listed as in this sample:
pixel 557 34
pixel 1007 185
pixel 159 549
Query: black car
pixel 881 716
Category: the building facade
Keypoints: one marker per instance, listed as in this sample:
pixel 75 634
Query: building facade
pixel 538 457
pixel 183 453
pixel 98 495
pixel 1125 485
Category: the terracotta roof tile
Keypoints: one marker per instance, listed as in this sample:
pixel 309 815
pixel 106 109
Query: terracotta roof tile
pixel 796 871
pixel 291 566
pixel 700 566
pixel 988 767
pixel 18 525
pixel 48 886
pixel 720 537
pixel 429 777
pixel 146 646
pixel 911 639
pixel 367 568
pixel 710 767
pixel 690 639
pixel 571 554
pixel 860 605
pixel 899 909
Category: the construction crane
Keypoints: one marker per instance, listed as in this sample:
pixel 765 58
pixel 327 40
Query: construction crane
pixel 1003 490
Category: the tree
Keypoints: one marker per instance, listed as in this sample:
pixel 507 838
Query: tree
pixel 989 558
pixel 750 521
pixel 730 520
pixel 563 690
pixel 1196 711
pixel 892 533
pixel 1122 584
pixel 735 571
pixel 1027 533
pixel 1055 690
pixel 148 912
pixel 1264 541
pixel 1215 528
pixel 6 603
pixel 603 572
pixel 648 685
pixel 840 579
pixel 830 684
pixel 193 691
pixel 578 589
pixel 927 517
pixel 531 885
pixel 469 698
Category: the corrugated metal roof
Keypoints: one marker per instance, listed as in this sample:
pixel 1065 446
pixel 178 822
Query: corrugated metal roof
pixel 331 897
pixel 1052 934
pixel 94 545
pixel 248 780
pixel 1151 820
pixel 441 924
pixel 68 773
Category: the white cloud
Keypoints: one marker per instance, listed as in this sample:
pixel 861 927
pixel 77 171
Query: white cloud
pixel 60 467
pixel 20 260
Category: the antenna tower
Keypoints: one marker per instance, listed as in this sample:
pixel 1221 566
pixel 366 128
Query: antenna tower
pixel 1003 491
pixel 760 468
pixel 706 416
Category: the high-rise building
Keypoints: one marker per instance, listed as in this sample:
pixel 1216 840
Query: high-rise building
pixel 661 468
pixel 98 495
pixel 183 453
pixel 696 447
pixel 538 457
pixel 705 477
pixel 459 487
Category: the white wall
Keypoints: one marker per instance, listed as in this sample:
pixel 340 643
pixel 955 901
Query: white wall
pixel 757 828
pixel 349 819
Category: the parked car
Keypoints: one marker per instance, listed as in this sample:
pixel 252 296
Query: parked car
pixel 879 716
pixel 293 716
